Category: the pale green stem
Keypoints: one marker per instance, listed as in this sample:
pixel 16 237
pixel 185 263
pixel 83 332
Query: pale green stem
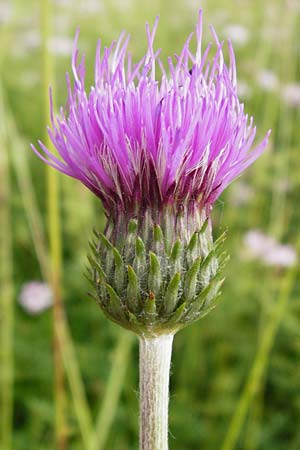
pixel 6 299
pixel 260 362
pixel 155 360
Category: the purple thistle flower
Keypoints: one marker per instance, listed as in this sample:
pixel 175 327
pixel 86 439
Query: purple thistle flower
pixel 140 141
pixel 158 151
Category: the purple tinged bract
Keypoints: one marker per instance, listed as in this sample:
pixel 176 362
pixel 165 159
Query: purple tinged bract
pixel 146 135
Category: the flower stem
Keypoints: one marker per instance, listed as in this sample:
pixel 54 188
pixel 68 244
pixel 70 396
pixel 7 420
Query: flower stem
pixel 155 360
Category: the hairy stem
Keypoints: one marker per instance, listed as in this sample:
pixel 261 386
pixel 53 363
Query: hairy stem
pixel 155 360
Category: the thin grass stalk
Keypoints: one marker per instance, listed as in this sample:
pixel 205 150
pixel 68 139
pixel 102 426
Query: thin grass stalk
pixel 111 397
pixel 81 407
pixel 6 297
pixel 64 340
pixel 24 179
pixel 55 244
pixel 90 437
pixel 261 359
pixel 6 273
pixel 278 213
pixel 284 130
pixel 270 105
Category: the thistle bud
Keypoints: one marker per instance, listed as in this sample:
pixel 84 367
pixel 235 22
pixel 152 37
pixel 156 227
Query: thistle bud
pixel 158 153
pixel 155 279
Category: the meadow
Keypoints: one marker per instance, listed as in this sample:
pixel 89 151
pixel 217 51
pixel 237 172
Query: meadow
pixel 68 377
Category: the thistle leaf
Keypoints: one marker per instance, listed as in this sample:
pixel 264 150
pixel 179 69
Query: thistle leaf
pixel 193 242
pixel 130 240
pixel 154 278
pixel 93 248
pixel 220 240
pixel 150 308
pixel 96 266
pixel 158 234
pixel 214 303
pixel 87 276
pixel 132 226
pixel 192 248
pixel 205 297
pixel 139 262
pixel 177 315
pixel 204 227
pixel 176 251
pixel 96 233
pixel 190 282
pixel 171 295
pixel 115 305
pixel 108 245
pixel 175 258
pixel 132 289
pixel 119 274
pixel 140 250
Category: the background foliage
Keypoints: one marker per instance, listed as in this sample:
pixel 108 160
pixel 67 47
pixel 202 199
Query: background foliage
pixel 236 374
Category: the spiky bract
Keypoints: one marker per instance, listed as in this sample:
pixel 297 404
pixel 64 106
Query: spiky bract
pixel 152 281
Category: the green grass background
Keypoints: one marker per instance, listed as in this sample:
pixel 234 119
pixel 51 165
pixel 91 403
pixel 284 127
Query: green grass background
pixel 235 380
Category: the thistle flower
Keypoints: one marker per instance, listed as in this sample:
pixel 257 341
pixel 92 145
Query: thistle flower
pixel 158 146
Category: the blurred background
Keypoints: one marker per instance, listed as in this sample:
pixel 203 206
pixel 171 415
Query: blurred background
pixel 69 378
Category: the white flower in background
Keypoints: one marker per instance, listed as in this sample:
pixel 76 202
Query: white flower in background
pixel 30 40
pixel 6 12
pixel 91 6
pixel 123 6
pixel 244 89
pixel 61 45
pixel 64 3
pixel 269 251
pixel 283 185
pixel 237 33
pixel 241 193
pixel 29 78
pixel 63 23
pixel 35 297
pixel 291 94
pixel 294 5
pixel 267 80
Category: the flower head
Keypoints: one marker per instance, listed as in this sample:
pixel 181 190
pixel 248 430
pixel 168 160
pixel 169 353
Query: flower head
pixel 146 135
pixel 158 146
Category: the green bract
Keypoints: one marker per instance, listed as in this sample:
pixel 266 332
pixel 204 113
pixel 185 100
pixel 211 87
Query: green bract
pixel 153 283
